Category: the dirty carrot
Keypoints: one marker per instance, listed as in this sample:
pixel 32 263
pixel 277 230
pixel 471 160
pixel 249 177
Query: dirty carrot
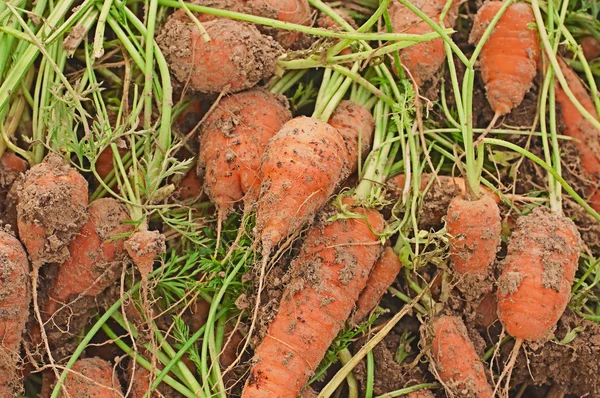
pixel 456 362
pixel 190 186
pixel 143 247
pixel 92 377
pixel 14 309
pixel 327 278
pixel 510 55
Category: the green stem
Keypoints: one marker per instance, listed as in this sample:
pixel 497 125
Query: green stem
pixel 370 375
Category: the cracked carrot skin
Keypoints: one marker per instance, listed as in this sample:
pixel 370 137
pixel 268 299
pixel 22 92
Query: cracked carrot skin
pixel 327 277
pixel 233 139
pixel 300 170
pixel 510 56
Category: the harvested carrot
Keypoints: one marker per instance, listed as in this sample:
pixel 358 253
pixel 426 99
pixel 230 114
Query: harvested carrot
pixel 190 186
pixel 586 135
pixel 486 312
pixel 51 210
pixel 14 309
pixel 422 60
pixel 456 362
pixel 91 377
pixel 535 285
pixel 590 47
pixel 143 247
pixel 300 169
pixel 356 125
pixel 510 55
pixel 95 255
pixel 327 278
pixel 382 275
pixel 12 168
pixel 475 227
pixel 232 142
pixel 236 58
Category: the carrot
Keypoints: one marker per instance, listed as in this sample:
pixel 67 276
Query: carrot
pixel 576 126
pixel 51 210
pixel 300 169
pixel 486 312
pixel 421 394
pixel 457 364
pixel 382 275
pixel 326 280
pixel 14 309
pixel 356 124
pixel 475 227
pixel 143 247
pixel 12 168
pixel 232 141
pixel 104 163
pixel 422 60
pixel 236 58
pixel 91 377
pixel 510 55
pixel 95 255
pixel 590 47
pixel 190 186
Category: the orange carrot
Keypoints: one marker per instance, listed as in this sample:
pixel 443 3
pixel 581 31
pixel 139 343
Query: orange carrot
pixel 587 137
pixel 486 313
pixel 535 285
pixel 456 362
pixel 190 186
pixel 422 60
pixel 382 275
pixel 590 47
pixel 456 184
pixel 143 247
pixel 95 255
pixel 327 278
pixel 51 210
pixel 15 296
pixel 92 377
pixel 236 58
pixel 300 169
pixel 232 142
pixel 104 163
pixel 12 168
pixel 356 124
pixel 476 230
pixel 510 55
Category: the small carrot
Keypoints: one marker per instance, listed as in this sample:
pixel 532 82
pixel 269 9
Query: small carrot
pixel 456 362
pixel 510 55
pixel 327 278
pixel 15 297
pixel 91 377
pixel 590 47
pixel 51 210
pixel 422 60
pixel 587 137
pixel 236 58
pixel 382 275
pixel 190 186
pixel 143 247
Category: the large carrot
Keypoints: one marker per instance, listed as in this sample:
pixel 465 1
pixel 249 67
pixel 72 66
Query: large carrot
pixel 587 137
pixel 91 377
pixel 382 275
pixel 232 141
pixel 51 210
pixel 422 60
pixel 14 309
pixel 510 55
pixel 236 58
pixel 327 278
pixel 456 362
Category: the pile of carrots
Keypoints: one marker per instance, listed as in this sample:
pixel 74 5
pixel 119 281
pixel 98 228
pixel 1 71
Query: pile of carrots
pixel 343 233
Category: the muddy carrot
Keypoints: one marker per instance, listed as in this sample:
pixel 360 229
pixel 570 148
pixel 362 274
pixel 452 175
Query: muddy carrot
pixel 92 377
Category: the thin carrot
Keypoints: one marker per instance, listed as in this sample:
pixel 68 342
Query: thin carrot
pixel 15 297
pixel 92 377
pixel 456 362
pixel 510 55
pixel 382 275
pixel 422 60
pixel 327 278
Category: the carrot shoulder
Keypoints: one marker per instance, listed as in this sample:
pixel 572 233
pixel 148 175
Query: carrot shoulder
pixel 327 278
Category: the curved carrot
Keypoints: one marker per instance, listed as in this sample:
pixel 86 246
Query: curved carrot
pixel 422 60
pixel 356 124
pixel 15 296
pixel 382 275
pixel 327 278
pixel 51 210
pixel 233 139
pixel 236 58
pixel 457 364
pixel 92 377
pixel 300 169
pixel 510 55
